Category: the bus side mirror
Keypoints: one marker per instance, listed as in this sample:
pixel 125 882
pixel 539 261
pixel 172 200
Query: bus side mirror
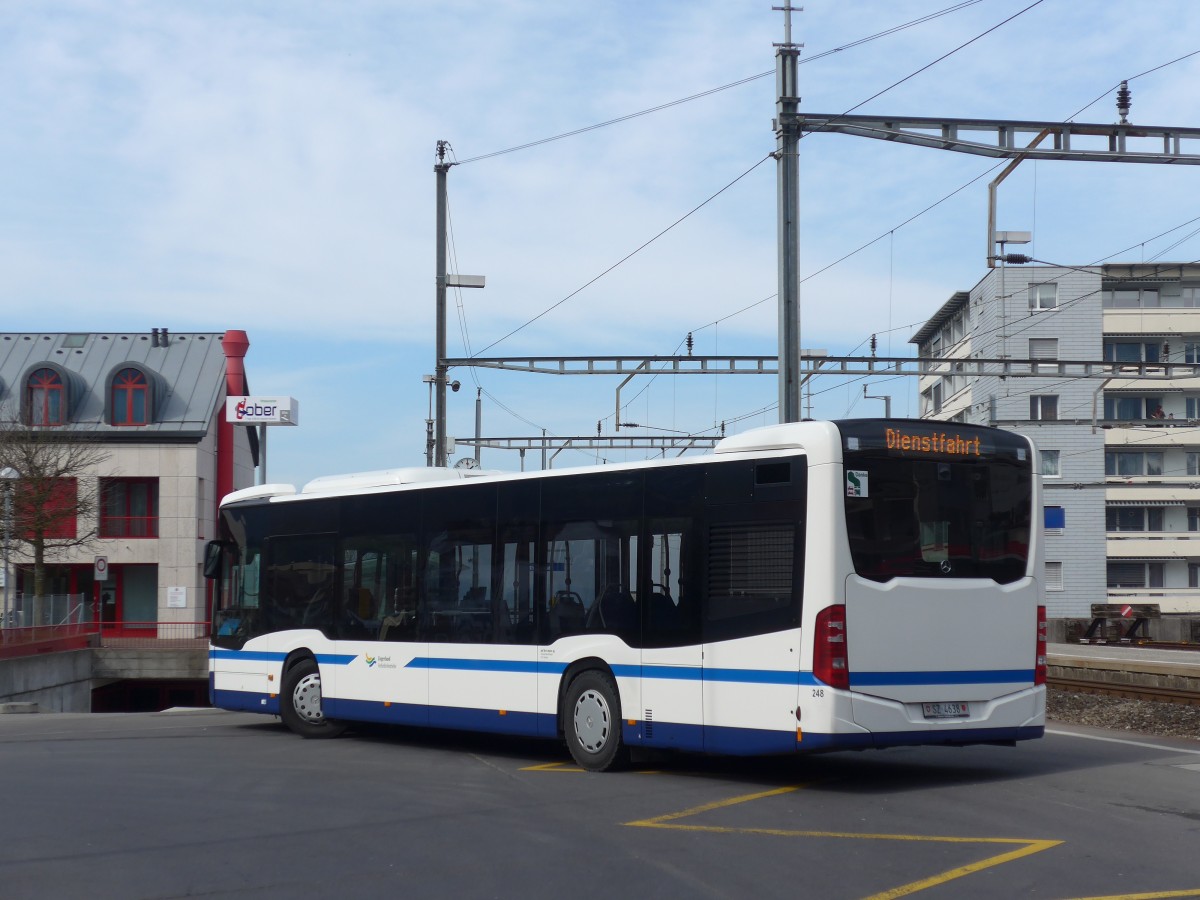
pixel 212 559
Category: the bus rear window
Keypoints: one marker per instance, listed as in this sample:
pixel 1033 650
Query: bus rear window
pixel 923 515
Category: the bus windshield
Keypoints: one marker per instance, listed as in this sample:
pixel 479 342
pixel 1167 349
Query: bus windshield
pixel 936 500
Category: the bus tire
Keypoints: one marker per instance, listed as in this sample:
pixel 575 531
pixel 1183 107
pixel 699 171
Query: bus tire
pixel 593 722
pixel 300 702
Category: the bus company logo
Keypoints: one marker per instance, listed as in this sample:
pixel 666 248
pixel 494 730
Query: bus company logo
pixel 380 662
pixel 856 483
pixel 370 660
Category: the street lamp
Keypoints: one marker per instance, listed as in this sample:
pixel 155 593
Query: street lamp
pixel 9 475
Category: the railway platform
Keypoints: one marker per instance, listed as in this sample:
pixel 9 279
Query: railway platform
pixel 1143 671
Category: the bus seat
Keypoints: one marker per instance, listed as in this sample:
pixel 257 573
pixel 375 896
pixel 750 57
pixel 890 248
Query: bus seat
pixel 664 614
pixel 615 610
pixel 567 613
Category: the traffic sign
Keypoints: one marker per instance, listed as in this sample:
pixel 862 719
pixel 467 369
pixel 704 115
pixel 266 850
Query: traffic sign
pixel 101 569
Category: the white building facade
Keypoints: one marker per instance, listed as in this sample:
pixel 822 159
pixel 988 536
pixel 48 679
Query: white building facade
pixel 1121 450
pixel 153 405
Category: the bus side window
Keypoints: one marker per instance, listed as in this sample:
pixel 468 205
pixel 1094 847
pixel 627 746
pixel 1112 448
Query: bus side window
pixel 753 578
pixel 300 582
pixel 457 587
pixel 672 614
pixel 589 548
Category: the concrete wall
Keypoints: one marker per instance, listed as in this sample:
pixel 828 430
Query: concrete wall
pixel 164 665
pixel 56 682
pixel 63 682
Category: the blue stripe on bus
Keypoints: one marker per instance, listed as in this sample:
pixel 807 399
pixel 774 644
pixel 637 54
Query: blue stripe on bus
pixel 892 679
pixel 486 665
pixel 671 673
pixel 675 673
pixel 326 659
pixel 247 655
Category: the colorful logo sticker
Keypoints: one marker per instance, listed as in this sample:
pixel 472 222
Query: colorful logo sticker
pixel 370 661
pixel 856 483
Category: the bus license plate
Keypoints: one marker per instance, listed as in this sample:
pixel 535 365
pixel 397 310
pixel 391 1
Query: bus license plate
pixel 946 710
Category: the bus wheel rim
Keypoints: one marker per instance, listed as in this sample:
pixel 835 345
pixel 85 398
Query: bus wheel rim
pixel 592 721
pixel 306 699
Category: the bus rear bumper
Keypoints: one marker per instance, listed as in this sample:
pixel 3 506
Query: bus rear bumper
pixel 818 743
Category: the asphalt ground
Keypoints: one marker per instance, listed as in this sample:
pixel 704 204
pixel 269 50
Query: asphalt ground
pixel 205 803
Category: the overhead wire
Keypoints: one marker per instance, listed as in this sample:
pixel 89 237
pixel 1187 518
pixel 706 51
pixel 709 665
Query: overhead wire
pixel 823 127
pixel 874 96
pixel 706 93
pixel 857 106
pixel 742 81
pixel 625 258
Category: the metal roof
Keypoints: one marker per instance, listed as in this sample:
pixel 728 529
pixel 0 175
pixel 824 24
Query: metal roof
pixel 187 373
pixel 956 302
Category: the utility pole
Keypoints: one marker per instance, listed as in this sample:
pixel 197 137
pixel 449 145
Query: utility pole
pixel 444 279
pixel 439 371
pixel 787 160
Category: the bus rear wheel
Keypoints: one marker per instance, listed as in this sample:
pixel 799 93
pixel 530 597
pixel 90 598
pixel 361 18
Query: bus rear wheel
pixel 300 702
pixel 593 722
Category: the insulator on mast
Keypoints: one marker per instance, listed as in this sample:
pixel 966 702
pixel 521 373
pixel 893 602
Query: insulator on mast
pixel 1124 101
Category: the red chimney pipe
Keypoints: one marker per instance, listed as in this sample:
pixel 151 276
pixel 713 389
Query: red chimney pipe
pixel 235 344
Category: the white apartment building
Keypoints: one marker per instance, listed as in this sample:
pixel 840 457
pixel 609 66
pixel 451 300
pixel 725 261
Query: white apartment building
pixel 1120 452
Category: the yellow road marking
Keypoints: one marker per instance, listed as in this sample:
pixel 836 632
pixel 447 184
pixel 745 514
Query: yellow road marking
pixel 657 821
pixel 1030 848
pixel 1026 848
pixel 1157 895
pixel 568 767
pixel 552 767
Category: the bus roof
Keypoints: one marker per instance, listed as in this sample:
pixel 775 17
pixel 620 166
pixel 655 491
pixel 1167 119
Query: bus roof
pixel 820 440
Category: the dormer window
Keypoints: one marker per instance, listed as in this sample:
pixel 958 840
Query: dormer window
pixel 46 398
pixel 129 398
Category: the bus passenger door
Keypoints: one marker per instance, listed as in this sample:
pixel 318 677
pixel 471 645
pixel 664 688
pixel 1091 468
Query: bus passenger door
pixel 385 679
pixel 672 713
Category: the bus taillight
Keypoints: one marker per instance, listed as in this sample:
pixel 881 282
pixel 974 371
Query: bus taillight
pixel 1039 669
pixel 831 662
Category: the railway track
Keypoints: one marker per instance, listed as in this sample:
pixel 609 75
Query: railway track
pixel 1129 691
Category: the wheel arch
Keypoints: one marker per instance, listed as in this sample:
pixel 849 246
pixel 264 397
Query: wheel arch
pixel 294 658
pixel 573 671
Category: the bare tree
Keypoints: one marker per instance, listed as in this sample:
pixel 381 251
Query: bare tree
pixel 54 493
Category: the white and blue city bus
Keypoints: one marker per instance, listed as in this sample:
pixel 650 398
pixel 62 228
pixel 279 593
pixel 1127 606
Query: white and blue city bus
pixel 804 587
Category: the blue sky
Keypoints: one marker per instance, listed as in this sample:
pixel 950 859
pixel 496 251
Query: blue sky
pixel 269 166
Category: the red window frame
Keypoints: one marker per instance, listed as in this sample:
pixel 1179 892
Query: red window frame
pixel 129 507
pixel 129 398
pixel 46 398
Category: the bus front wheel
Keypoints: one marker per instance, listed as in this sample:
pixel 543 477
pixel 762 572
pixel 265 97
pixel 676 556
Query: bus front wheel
pixel 593 722
pixel 300 702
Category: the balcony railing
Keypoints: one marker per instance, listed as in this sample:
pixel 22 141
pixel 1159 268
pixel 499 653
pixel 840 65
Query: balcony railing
pixel 155 635
pixel 129 526
pixel 28 641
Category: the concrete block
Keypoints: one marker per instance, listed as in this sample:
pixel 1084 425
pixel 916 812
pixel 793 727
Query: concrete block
pixel 17 707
